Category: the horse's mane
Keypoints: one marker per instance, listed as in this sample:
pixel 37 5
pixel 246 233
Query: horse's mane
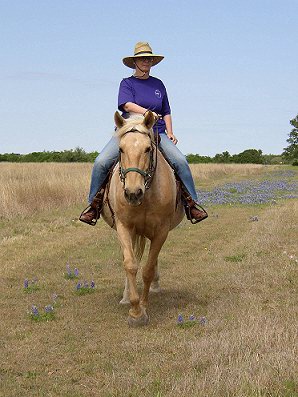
pixel 135 123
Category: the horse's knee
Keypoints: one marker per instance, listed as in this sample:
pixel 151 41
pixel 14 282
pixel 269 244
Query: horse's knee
pixel 130 268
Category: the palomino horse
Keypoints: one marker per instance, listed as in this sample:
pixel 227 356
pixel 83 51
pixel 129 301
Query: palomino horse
pixel 142 204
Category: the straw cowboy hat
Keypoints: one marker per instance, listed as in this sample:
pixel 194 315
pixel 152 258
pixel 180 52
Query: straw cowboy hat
pixel 142 50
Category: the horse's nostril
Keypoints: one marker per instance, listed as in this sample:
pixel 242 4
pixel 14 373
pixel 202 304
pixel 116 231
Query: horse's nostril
pixel 139 193
pixel 126 193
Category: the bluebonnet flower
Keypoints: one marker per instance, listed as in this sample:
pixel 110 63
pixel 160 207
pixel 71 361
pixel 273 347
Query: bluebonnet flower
pixel 251 192
pixel 54 297
pixel 68 269
pixel 203 320
pixel 48 309
pixel 192 318
pixel 26 283
pixel 34 311
pixel 92 285
pixel 180 319
pixel 79 286
pixel 76 272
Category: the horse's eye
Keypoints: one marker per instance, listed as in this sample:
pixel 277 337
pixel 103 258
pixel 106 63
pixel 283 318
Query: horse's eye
pixel 147 149
pixel 120 150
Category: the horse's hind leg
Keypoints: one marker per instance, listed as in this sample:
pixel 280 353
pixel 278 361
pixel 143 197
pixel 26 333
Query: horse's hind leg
pixel 155 287
pixel 125 299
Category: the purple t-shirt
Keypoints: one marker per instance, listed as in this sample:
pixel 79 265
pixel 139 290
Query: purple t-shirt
pixel 149 93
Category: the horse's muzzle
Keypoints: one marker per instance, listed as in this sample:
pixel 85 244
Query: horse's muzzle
pixel 134 198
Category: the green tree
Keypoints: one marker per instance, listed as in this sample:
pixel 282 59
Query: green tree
pixel 249 156
pixel 291 152
pixel 224 157
pixel 196 159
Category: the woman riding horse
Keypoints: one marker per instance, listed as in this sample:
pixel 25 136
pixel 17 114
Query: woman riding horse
pixel 138 94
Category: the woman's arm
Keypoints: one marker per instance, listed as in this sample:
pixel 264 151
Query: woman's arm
pixel 169 128
pixel 133 107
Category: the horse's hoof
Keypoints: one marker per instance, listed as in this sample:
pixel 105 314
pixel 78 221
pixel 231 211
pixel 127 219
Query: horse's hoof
pixel 124 301
pixel 155 288
pixel 139 321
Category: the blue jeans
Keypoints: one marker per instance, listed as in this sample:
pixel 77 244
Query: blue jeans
pixel 107 157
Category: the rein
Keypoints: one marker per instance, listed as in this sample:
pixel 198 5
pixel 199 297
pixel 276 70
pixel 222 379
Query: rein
pixel 149 173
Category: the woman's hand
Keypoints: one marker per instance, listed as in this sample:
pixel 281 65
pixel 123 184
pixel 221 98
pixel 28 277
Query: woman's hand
pixel 168 120
pixel 156 116
pixel 172 137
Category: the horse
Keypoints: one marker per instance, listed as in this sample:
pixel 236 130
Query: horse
pixel 142 202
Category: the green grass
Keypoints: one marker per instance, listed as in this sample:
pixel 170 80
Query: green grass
pixel 43 317
pixel 84 291
pixel 235 258
pixel 31 288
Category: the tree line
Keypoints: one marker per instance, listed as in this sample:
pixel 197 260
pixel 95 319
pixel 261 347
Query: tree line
pixel 80 155
pixel 255 156
pixel 77 155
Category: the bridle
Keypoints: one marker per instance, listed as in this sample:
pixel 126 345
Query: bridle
pixel 147 174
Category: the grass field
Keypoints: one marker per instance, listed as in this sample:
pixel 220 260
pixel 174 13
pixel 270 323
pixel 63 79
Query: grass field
pixel 237 270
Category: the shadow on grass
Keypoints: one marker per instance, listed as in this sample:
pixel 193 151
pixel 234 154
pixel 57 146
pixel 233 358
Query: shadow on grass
pixel 160 304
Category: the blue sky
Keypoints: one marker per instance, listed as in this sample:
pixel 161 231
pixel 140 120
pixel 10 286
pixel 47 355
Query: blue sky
pixel 230 68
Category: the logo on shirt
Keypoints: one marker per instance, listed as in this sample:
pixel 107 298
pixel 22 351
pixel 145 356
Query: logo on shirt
pixel 157 94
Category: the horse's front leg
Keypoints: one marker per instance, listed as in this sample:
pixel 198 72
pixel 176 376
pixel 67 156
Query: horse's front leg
pixel 137 314
pixel 150 270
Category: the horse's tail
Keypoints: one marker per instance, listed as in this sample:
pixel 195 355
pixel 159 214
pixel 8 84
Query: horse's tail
pixel 139 246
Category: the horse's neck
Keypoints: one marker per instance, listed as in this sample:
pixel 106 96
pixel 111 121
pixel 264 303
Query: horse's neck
pixel 164 171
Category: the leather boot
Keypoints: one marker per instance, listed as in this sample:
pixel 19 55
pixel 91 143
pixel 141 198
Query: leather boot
pixel 91 214
pixel 194 212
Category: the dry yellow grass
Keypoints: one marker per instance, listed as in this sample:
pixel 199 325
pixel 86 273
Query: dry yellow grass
pixel 241 275
pixel 27 188
pixel 216 171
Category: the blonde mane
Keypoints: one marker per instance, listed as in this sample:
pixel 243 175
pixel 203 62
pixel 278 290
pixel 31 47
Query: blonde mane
pixel 137 124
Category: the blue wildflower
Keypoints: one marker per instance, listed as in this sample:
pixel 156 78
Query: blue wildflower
pixel 76 272
pixel 180 319
pixel 79 286
pixel 92 285
pixel 251 192
pixel 26 283
pixel 192 318
pixel 34 311
pixel 68 269
pixel 54 297
pixel 203 320
pixel 48 309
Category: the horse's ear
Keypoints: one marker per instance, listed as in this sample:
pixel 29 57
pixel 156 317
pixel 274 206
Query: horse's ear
pixel 119 120
pixel 149 120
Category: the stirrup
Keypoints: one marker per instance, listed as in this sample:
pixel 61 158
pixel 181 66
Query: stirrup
pixel 188 213
pixel 94 220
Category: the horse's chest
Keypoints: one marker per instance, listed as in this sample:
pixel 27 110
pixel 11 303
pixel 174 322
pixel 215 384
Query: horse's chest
pixel 143 222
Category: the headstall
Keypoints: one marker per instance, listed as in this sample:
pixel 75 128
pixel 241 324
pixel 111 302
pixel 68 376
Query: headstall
pixel 149 173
